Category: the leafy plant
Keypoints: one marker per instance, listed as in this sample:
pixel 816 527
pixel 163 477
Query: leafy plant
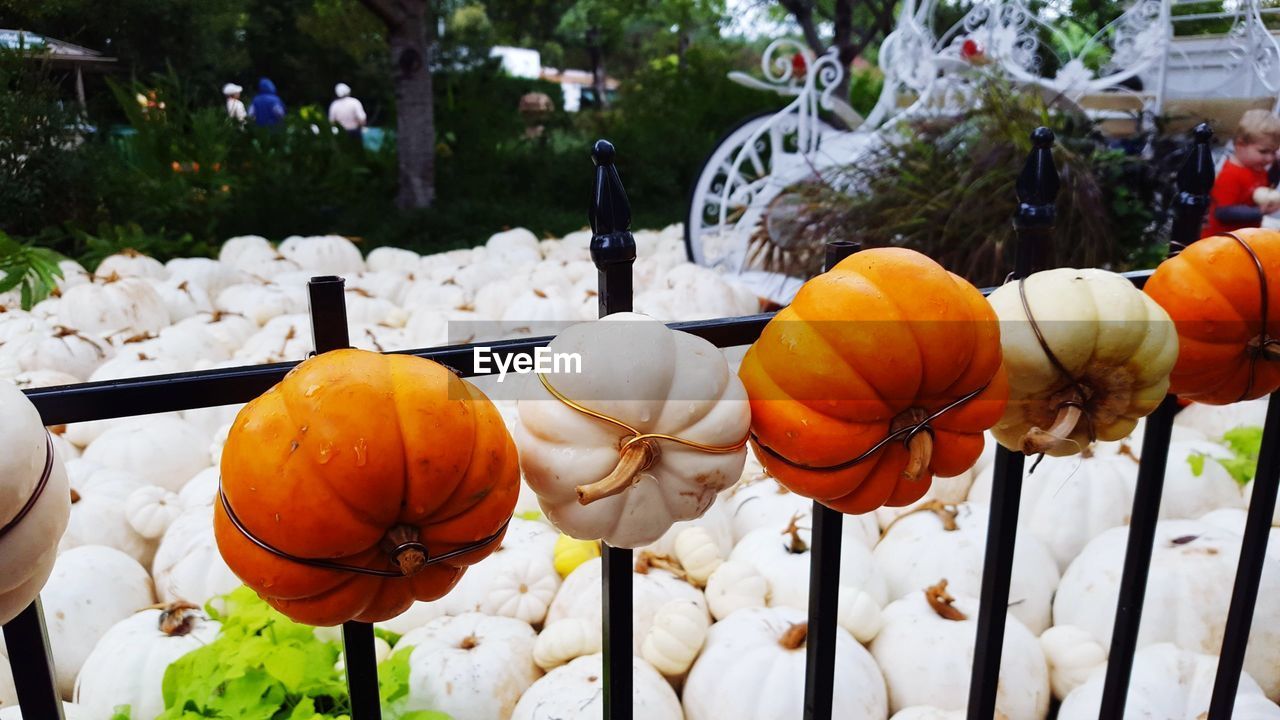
pixel 266 667
pixel 1245 443
pixel 945 186
pixel 32 270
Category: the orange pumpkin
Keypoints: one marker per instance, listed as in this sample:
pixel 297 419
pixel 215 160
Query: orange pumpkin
pixel 381 462
pixel 1215 293
pixel 884 340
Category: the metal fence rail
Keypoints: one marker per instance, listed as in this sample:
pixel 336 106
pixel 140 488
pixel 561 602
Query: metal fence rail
pixel 613 251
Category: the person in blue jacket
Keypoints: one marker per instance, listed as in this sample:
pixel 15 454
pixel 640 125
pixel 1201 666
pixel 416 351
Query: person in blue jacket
pixel 267 109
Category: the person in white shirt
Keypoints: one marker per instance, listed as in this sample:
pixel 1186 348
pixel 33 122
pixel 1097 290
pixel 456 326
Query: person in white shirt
pixel 347 111
pixel 235 108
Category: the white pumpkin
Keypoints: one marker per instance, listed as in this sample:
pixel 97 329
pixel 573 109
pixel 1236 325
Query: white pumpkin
pixel 576 692
pixel 165 450
pixel 1113 341
pixel 760 502
pixel 98 512
pixel 92 587
pixel 426 295
pixel 538 312
pixel 151 509
pixel 130 306
pixel 950 490
pixel 208 274
pixel 1248 498
pixel 782 557
pixel 392 260
pixel 579 597
pixel 127 665
pixel 388 285
pixel 518 580
pixel 680 385
pixel 190 343
pixel 692 292
pixel 1213 421
pixel 1193 565
pixel 42 378
pixel 259 301
pixel 282 338
pixel 564 640
pixel 714 527
pixel 130 263
pixel 27 548
pixel 8 693
pixel 925 712
pixel 472 666
pixel 950 541
pixel 436 328
pixel 676 637
pixel 515 246
pixel 187 564
pixel 735 585
pixel 1073 655
pixel 1168 683
pixel 58 349
pixel 201 490
pixel 236 248
pixel 364 308
pixel 124 365
pixel 1094 490
pixel 925 651
pixel 73 274
pixel 183 298
pixel 753 668
pixel 70 711
pixel 1191 490
pixel 418 615
pixel 324 254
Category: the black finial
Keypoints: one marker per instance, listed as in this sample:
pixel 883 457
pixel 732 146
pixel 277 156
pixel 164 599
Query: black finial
pixel 1196 174
pixel 1195 181
pixel 1037 185
pixel 837 250
pixel 610 211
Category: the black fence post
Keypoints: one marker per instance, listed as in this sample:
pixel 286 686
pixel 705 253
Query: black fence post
pixel 31 661
pixel 1037 187
pixel 1195 180
pixel 824 576
pixel 1253 553
pixel 329 329
pixel 613 249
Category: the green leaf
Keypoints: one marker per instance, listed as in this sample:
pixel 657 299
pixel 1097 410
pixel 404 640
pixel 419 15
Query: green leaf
pixel 1196 461
pixel 1245 443
pixel 391 638
pixel 121 712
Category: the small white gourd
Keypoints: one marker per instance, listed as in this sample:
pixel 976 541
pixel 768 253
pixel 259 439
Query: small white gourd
pixel 676 637
pixel 151 509
pixel 564 640
pixel 735 585
pixel 1073 655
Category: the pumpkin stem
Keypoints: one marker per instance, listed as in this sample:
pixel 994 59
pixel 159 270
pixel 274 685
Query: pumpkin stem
pixel 178 618
pixel 1038 441
pixel 75 496
pixel 921 448
pixel 797 545
pixel 402 543
pixel 794 637
pixel 945 512
pixel 649 560
pixel 635 459
pixel 942 602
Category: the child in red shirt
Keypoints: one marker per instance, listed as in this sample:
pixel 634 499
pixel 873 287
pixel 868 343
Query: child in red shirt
pixel 1231 205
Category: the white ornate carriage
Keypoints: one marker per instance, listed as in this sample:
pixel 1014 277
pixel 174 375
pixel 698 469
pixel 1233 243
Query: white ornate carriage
pixel 1121 72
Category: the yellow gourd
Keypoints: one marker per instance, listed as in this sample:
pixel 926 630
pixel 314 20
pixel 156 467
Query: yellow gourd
pixel 570 552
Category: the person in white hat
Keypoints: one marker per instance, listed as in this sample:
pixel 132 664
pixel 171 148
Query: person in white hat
pixel 235 108
pixel 347 111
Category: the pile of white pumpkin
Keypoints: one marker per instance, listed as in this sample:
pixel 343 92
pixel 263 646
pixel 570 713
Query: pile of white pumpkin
pixel 719 602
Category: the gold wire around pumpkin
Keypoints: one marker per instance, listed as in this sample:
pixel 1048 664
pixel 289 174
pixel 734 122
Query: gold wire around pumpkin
pixel 1264 340
pixel 39 488
pixel 636 435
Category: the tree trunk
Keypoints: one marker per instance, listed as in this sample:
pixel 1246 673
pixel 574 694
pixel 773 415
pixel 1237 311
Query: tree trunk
pixel 598 75
pixel 411 41
pixel 802 10
pixel 845 50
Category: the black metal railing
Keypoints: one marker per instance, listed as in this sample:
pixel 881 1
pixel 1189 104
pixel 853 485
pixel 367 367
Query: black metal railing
pixel 613 251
